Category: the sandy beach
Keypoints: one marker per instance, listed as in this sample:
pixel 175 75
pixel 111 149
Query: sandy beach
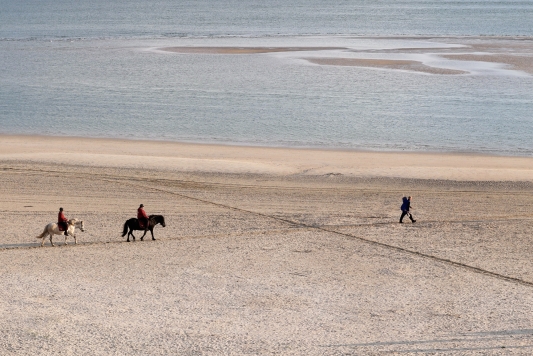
pixel 265 251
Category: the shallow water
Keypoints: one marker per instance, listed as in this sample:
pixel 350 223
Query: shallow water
pixel 95 69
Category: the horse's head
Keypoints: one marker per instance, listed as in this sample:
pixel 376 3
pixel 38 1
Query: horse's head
pixel 77 223
pixel 158 219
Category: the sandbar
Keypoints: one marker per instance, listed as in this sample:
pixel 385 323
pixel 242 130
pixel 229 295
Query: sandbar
pixel 516 53
pixel 385 63
pixel 243 50
pixel 518 62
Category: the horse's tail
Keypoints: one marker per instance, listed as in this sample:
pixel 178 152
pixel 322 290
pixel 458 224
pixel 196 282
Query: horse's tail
pixel 125 230
pixel 44 233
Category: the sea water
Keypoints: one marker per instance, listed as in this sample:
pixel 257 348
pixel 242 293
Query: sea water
pixel 97 69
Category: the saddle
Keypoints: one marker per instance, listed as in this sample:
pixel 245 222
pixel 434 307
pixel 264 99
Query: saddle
pixel 62 226
pixel 142 224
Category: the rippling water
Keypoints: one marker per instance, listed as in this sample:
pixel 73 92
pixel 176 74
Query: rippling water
pixel 95 68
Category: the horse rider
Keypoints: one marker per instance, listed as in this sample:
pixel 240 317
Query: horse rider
pixel 142 217
pixel 62 221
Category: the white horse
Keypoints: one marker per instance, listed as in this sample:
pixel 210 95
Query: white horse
pixel 52 229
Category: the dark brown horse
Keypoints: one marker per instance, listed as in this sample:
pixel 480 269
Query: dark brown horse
pixel 133 224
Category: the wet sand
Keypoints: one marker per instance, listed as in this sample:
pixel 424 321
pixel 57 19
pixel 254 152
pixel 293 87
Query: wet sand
pixel 265 251
pixel 518 62
pixel 244 50
pixel 384 63
pixel 513 53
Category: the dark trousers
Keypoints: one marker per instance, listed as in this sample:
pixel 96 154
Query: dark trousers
pixel 406 212
pixel 63 225
pixel 143 223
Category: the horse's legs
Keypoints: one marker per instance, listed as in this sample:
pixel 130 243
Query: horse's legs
pixel 130 233
pixel 71 234
pixel 65 239
pixel 152 231
pixel 142 237
pixel 51 242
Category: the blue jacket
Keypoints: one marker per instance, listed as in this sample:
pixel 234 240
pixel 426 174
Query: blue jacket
pixel 406 204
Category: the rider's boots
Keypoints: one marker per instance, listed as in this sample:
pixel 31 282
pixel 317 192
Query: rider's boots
pixel 66 233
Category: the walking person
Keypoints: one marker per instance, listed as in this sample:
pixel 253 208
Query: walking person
pixel 62 221
pixel 406 206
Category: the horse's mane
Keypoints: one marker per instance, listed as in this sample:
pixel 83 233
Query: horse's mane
pixel 73 221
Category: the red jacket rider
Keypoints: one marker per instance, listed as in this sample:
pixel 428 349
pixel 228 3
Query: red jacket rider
pixel 142 217
pixel 62 221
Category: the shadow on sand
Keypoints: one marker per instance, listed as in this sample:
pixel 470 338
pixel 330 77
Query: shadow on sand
pixel 473 341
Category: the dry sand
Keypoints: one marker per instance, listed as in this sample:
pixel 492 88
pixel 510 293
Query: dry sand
pixel 266 251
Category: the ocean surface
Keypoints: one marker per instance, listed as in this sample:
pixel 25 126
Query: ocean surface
pixel 98 68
